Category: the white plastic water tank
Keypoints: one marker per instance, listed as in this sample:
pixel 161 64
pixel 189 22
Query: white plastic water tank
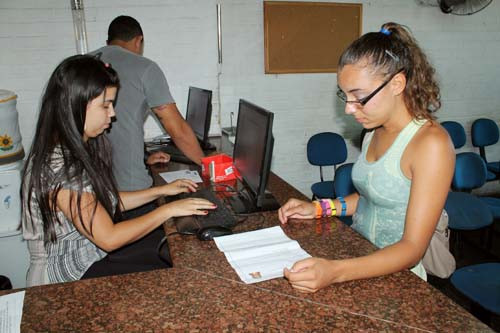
pixel 11 147
pixel 10 198
pixel 14 256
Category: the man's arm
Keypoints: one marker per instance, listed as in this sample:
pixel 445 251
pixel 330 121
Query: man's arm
pixel 179 130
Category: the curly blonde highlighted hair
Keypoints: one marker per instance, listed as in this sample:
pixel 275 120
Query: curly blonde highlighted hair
pixel 394 49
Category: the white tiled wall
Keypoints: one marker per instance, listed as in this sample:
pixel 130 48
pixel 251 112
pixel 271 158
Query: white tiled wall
pixel 181 36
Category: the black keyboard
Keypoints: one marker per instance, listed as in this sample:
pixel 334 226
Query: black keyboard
pixel 221 216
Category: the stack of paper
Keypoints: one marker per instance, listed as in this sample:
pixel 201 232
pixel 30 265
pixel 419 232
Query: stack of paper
pixel 11 312
pixel 172 176
pixel 260 255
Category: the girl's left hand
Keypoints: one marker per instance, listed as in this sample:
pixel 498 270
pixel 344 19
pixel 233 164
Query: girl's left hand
pixel 179 186
pixel 312 274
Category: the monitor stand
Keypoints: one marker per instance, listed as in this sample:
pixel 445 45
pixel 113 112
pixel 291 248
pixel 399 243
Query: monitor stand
pixel 242 204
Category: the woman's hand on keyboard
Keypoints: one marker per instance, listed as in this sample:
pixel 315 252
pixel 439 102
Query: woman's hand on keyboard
pixel 179 186
pixel 190 206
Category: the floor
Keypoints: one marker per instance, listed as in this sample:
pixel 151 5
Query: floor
pixel 473 251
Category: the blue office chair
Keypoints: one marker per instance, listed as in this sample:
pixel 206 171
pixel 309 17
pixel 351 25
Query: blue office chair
pixel 342 183
pixel 325 149
pixel 456 132
pixel 480 283
pixel 465 210
pixel 471 173
pixel 484 132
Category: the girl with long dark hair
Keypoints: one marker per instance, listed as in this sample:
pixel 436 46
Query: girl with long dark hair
pixel 69 196
pixel 404 171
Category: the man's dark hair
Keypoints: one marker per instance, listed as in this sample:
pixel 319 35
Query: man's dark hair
pixel 124 28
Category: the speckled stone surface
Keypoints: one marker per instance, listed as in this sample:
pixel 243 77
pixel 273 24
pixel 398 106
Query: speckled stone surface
pixel 182 300
pixel 202 293
pixel 400 298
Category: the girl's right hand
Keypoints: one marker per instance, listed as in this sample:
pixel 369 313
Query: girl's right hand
pixel 296 209
pixel 158 157
pixel 190 206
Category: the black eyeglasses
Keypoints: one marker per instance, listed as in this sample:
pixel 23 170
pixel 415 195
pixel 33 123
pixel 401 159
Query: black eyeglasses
pixel 342 96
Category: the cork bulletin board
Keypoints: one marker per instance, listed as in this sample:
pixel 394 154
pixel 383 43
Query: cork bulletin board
pixel 308 37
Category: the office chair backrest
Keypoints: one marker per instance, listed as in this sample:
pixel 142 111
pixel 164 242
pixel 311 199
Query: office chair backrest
pixel 343 181
pixel 467 212
pixel 470 172
pixel 456 132
pixel 326 148
pixel 484 132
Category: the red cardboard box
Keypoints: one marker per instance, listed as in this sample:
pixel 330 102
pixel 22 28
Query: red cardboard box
pixel 218 167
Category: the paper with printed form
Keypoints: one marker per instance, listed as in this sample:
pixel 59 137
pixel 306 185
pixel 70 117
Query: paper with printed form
pixel 181 174
pixel 11 312
pixel 260 255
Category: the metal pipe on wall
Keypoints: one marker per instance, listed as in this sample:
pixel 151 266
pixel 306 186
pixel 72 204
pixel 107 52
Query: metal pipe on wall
pixel 219 62
pixel 79 26
pixel 219 33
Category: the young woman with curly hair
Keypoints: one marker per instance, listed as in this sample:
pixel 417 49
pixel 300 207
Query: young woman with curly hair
pixel 404 171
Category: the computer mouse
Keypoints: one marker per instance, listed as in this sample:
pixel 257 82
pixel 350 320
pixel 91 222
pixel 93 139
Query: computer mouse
pixel 208 233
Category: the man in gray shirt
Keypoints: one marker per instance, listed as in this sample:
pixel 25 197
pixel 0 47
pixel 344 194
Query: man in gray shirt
pixel 143 86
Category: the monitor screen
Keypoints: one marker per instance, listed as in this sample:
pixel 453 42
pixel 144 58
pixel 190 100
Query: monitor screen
pixel 253 149
pixel 199 112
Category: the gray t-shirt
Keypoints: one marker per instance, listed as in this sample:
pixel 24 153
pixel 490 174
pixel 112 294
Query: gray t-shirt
pixel 142 87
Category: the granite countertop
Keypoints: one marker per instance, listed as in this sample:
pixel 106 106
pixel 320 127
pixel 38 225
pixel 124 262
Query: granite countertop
pixel 401 298
pixel 203 293
pixel 181 299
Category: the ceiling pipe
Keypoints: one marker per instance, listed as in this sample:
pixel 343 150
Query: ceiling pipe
pixel 79 26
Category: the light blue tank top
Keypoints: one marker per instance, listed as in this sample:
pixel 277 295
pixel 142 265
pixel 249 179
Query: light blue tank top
pixel 384 192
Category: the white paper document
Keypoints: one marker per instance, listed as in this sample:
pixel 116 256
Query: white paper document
pixel 11 312
pixel 181 174
pixel 260 255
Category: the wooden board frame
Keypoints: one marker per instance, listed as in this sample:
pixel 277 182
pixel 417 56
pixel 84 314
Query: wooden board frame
pixel 308 37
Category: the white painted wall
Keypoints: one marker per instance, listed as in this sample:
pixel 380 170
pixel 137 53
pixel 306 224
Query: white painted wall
pixel 181 36
pixel 464 51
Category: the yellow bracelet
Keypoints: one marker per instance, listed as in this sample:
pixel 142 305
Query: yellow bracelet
pixel 332 206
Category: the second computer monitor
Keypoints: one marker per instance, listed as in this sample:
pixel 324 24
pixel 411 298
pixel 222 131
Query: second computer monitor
pixel 253 151
pixel 199 113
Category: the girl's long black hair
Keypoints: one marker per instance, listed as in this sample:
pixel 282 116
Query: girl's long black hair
pixel 74 83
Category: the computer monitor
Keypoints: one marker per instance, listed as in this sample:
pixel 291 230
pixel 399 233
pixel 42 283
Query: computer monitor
pixel 199 114
pixel 253 151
